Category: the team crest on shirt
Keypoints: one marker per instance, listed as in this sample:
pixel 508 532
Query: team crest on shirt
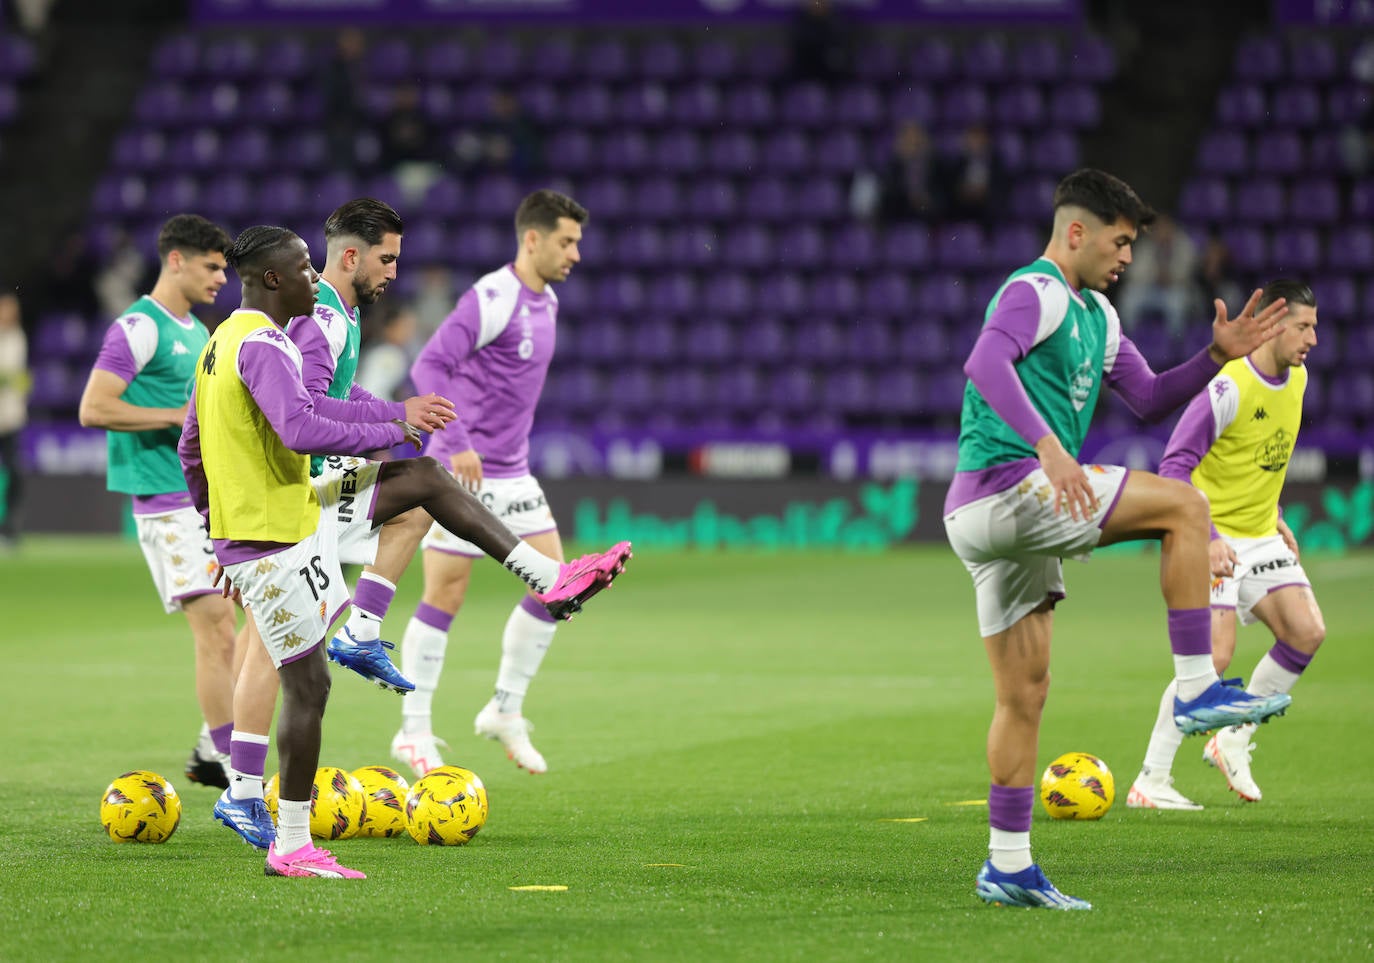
pixel 1273 453
pixel 1081 386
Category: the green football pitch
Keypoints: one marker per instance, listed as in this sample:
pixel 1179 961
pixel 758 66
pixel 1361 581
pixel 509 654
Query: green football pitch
pixel 752 757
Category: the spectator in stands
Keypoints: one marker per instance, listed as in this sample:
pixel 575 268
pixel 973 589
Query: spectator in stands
pixel 907 188
pixel 123 277
pixel 409 148
pixel 384 369
pixel 1160 280
pixel 1215 278
pixel 973 180
pixel 14 391
pixel 68 285
pixel 507 141
pixel 343 88
pixel 822 44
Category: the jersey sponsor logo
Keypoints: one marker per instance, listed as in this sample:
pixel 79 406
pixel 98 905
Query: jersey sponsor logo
pixel 348 492
pixel 1273 565
pixel 208 364
pixel 513 508
pixel 1259 415
pixel 1081 386
pixel 1273 453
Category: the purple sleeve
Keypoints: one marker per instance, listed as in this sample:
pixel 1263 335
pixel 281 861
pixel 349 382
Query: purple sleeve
pixel 1008 335
pixel 189 450
pixel 115 356
pixel 317 358
pixel 360 407
pixel 1191 440
pixel 272 379
pixel 437 365
pixel 1152 396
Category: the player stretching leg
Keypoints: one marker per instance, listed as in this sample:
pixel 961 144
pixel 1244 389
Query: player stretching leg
pixel 1253 405
pixel 277 535
pixel 1020 500
pixel 491 356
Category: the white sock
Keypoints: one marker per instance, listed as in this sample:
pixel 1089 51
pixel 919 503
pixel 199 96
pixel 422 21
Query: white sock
pixel 422 662
pixel 205 743
pixel 366 625
pixel 1165 739
pixel 1269 677
pixel 293 825
pixel 244 785
pixel 523 645
pixel 1009 851
pixel 538 570
pixel 1194 673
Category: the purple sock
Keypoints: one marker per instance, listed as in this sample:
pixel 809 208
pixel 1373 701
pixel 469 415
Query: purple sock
pixel 1190 631
pixel 531 606
pixel 220 737
pixel 373 596
pixel 435 618
pixel 1288 657
pixel 248 756
pixel 1010 807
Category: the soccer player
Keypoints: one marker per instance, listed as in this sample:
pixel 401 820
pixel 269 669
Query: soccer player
pixel 1020 500
pixel 244 450
pixel 363 243
pixel 1233 443
pixel 137 392
pixel 491 356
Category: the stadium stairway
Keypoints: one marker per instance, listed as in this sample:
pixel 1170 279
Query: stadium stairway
pixel 57 152
pixel 1175 55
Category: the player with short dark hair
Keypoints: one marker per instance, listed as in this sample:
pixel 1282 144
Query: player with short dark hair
pixel 1233 443
pixel 278 536
pixel 137 392
pixel 1020 501
pixel 491 355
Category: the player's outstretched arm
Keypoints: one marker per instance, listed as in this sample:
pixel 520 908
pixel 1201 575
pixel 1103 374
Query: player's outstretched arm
pixel 1236 339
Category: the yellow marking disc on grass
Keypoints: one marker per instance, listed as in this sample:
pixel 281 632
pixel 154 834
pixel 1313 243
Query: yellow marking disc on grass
pixel 537 889
pixel 904 819
pixel 968 802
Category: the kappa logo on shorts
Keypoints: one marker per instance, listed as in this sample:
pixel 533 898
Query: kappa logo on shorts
pixel 271 592
pixel 179 582
pixel 282 616
pixel 178 561
pixel 264 566
pixel 170 538
pixel 292 641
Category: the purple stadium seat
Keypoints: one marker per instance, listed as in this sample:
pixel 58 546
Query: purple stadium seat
pixel 553 58
pixel 899 393
pixel 230 58
pixel 1297 106
pixel 654 339
pixel 447 60
pixel 769 199
pixel 620 294
pixel 500 59
pixel 786 151
pixel 640 246
pixel 880 62
pixel 740 389
pixel 820 341
pixel 1296 251
pixel 838 153
pixel 1019 106
pixel 765 59
pixel 390 60
pixel 695 245
pixel 162 105
pixel 732 152
pixel 1327 153
pixel 847 391
pixel 716 60
pixel 607 59
pixel 924 342
pixel 602 340
pixel 426 242
pixel 625 151
pixel 1338 298
pixel 801 248
pixel 913 103
pixel 1206 200
pixel 643 104
pixel 289 57
pixel 1223 152
pixel 823 198
pixel 715 199
pixel 888 294
pixel 1076 106
pixel 1032 198
pixel 1351 247
pixel 60 336
pixel 678 151
pixel 595 107
pixel 1357 347
pixel 835 296
pixel 1260 200
pixel 1038 60
pixel 1362 200
pixel 1315 201
pixel 711 341
pixel 662 59
pixel 229 197
pixel 55 386
pixel 932 59
pixel 140 150
pixel 787 294
pixel 198 149
pixel 607 198
pixel 853 246
pixel 1354 396
pixel 793 391
pixel 988 59
pixel 1346 103
pixel 496 196
pixel 677 293
pixel 696 105
pixel 750 245
pixel 1278 152
pixel 750 105
pixel 871 342
pixel 1054 152
pixel 176 58
pixel 860 105
pixel 906 246
pixel 1313 59
pixel 575 150
pixel 764 341
pixel 282 197
pixel 731 295
pixel 806 105
pixel 1091 59
pixel 685 391
pixel 1242 105
pixel 1260 59
pixel 1011 148
pixel 943 296
pixel 1249 247
pixel 1014 244
pixel 964 104
pixel 659 198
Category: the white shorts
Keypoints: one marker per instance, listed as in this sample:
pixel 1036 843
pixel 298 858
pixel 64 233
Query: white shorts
pixel 1263 565
pixel 347 489
pixel 1012 542
pixel 519 504
pixel 180 556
